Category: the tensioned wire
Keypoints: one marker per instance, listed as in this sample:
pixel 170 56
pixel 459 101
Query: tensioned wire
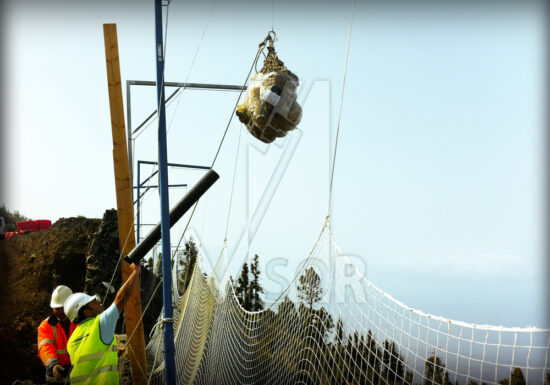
pixel 332 170
pixel 232 185
pixel 180 90
pixel 177 93
pixel 260 49
pixel 213 162
pixel 333 160
pixel 341 108
pixel 176 96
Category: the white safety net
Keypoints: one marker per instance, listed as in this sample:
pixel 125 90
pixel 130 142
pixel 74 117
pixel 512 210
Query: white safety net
pixel 333 326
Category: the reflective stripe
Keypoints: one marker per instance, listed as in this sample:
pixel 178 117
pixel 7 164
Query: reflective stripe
pixel 79 339
pixel 86 341
pixel 98 355
pixel 46 341
pixel 95 372
pixel 61 351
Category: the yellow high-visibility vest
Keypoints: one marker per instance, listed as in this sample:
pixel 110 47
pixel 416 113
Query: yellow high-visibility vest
pixel 93 361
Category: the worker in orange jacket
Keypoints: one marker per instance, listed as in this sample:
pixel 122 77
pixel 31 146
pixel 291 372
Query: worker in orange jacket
pixel 53 334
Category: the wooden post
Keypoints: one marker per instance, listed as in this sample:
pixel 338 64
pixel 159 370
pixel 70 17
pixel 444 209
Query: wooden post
pixel 132 310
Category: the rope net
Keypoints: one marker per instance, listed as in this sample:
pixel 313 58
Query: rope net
pixel 333 326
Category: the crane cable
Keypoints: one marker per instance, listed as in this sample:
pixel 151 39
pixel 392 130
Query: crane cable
pixel 326 223
pixel 261 46
pixel 195 206
pixel 341 107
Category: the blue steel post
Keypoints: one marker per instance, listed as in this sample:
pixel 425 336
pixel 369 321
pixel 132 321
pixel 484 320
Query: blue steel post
pixel 170 361
pixel 138 202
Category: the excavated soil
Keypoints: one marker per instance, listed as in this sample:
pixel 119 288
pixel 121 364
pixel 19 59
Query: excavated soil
pixel 78 252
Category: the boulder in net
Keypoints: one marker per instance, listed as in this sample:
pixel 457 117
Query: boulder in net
pixel 269 108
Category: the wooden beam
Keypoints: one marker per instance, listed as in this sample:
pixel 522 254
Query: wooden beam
pixel 132 310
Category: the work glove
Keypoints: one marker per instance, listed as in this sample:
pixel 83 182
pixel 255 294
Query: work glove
pixel 58 371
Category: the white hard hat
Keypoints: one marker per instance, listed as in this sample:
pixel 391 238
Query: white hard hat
pixel 60 295
pixel 75 302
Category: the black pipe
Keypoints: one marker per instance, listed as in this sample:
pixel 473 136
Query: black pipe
pixel 176 213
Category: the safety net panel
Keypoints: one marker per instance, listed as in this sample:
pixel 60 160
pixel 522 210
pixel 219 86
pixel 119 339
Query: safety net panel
pixel 333 326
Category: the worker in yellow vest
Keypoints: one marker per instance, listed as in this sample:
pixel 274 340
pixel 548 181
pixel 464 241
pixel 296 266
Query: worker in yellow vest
pixel 92 346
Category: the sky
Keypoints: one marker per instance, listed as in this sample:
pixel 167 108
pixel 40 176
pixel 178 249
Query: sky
pixel 439 175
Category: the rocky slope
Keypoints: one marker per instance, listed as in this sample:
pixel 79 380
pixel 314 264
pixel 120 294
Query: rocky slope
pixel 78 252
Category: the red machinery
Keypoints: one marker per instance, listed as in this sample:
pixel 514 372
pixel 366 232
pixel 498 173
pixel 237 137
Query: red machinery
pixel 28 226
pixel 24 227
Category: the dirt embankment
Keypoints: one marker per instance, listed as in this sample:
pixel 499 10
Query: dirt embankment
pixel 78 252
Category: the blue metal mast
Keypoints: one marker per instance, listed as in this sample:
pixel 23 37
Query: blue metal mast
pixel 169 356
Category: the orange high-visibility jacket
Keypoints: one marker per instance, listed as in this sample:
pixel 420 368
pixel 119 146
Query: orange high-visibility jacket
pixel 52 341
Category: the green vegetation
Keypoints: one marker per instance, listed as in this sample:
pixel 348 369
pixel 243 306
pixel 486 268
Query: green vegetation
pixel 248 290
pixel 516 378
pixel 186 265
pixel 11 218
pixel 255 288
